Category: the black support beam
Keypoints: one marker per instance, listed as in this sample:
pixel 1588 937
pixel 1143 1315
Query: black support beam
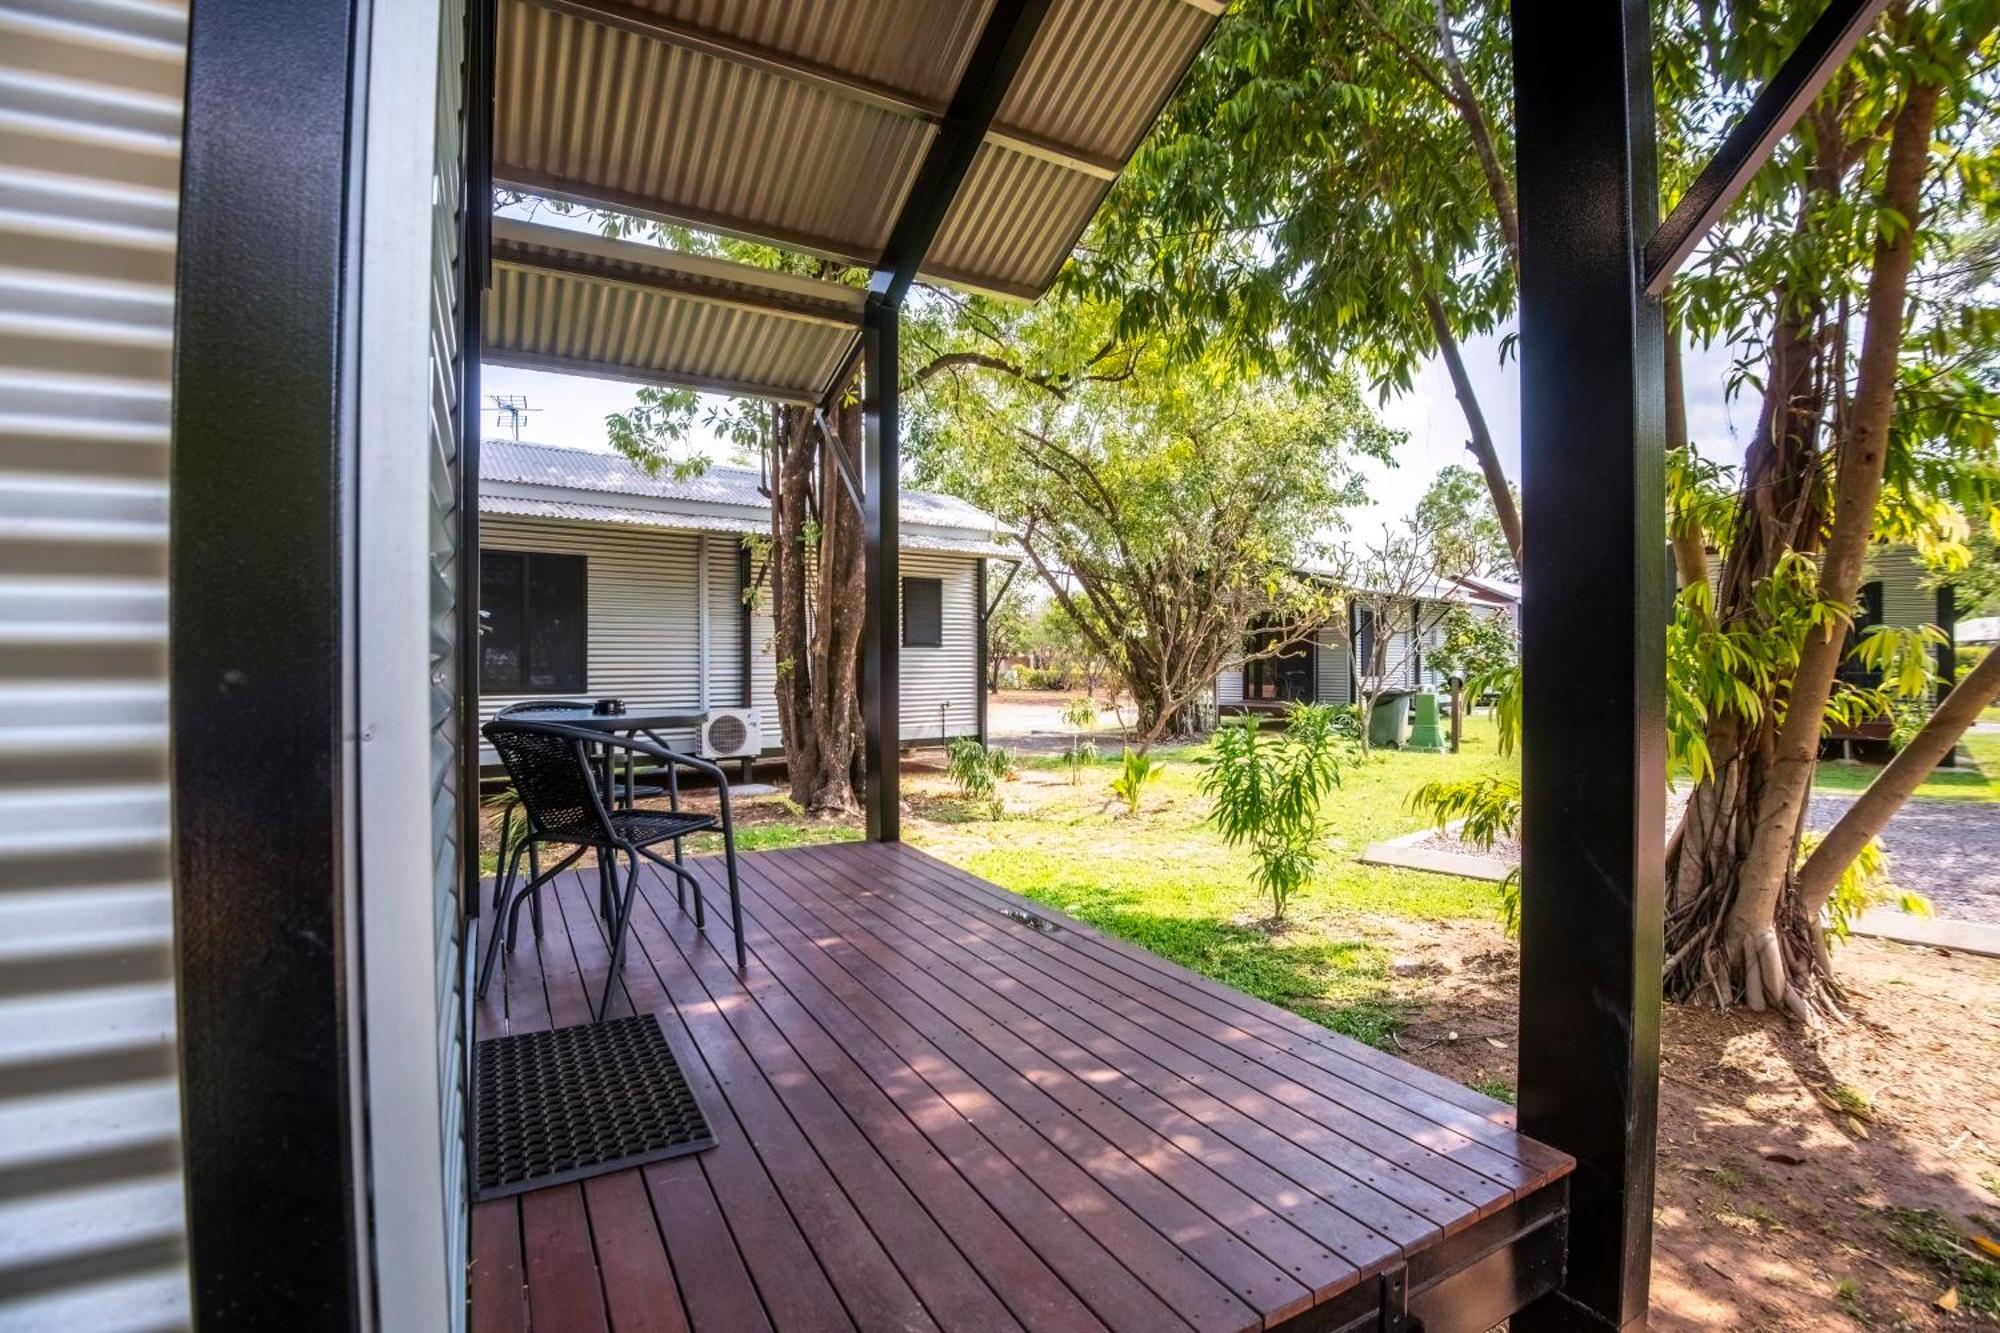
pixel 261 488
pixel 997 56
pixel 1593 638
pixel 881 636
pixel 1748 145
pixel 476 257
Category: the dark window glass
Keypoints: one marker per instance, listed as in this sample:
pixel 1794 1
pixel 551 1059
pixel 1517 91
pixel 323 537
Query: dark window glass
pixel 532 622
pixel 923 613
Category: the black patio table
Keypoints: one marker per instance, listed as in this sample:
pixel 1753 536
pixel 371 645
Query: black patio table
pixel 647 724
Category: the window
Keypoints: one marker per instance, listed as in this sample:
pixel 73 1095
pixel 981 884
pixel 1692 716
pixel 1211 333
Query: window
pixel 923 613
pixel 531 622
pixel 1274 676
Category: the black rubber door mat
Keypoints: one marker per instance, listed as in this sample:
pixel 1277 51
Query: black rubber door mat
pixel 551 1107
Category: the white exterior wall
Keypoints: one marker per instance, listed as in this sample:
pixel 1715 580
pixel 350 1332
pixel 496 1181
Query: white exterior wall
pixel 92 1231
pixel 645 631
pixel 1334 675
pixel 1906 603
pixel 940 695
pixel 1229 685
pixel 644 615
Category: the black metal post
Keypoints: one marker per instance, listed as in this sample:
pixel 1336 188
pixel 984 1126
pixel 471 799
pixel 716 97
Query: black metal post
pixel 1593 638
pixel 475 256
pixel 881 637
pixel 982 643
pixel 261 496
pixel 1779 104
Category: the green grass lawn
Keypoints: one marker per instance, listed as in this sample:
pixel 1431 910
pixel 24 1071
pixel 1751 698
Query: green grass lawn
pixel 1164 880
pixel 1976 781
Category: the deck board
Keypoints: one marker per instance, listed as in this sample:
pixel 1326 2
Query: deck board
pixel 932 1116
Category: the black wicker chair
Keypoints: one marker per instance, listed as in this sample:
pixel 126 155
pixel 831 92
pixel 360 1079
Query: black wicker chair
pixel 627 792
pixel 553 772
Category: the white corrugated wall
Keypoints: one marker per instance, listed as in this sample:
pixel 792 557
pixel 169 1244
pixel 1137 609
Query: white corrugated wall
pixel 90 117
pixel 1334 668
pixel 1906 603
pixel 643 610
pixel 645 626
pixel 940 694
pixel 1229 685
pixel 449 492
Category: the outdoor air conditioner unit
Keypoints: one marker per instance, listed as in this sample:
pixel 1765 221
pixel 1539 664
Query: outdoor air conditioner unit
pixel 730 733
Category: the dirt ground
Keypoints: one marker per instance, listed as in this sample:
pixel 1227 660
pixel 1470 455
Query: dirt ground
pixel 1773 1207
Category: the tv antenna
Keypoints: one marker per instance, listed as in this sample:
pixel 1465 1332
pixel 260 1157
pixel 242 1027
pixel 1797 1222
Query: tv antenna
pixel 509 409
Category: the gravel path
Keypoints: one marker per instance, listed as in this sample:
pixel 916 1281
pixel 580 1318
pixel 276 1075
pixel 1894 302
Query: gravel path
pixel 1949 851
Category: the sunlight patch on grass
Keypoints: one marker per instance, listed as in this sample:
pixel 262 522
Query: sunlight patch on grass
pixel 1978 780
pixel 1164 880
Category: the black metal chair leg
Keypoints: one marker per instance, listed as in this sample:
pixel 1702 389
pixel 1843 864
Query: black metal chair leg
pixel 735 897
pixel 503 882
pixel 534 872
pixel 513 919
pixel 683 880
pixel 619 925
pixel 500 856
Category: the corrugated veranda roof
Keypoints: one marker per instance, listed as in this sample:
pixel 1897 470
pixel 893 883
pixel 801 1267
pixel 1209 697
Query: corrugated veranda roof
pixel 805 124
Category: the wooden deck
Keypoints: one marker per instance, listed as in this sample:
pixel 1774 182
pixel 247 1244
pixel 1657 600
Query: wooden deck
pixel 933 1115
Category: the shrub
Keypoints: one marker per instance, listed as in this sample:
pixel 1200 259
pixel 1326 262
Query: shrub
pixel 978 770
pixel 1491 809
pixel 1130 784
pixel 1269 793
pixel 1080 715
pixel 1965 657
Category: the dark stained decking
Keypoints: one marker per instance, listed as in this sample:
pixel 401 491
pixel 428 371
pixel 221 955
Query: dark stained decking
pixel 932 1115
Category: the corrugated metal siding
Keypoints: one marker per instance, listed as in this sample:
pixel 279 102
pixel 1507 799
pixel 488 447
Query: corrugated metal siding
pixel 1229 685
pixel 448 493
pixel 643 617
pixel 764 656
pixel 1334 674
pixel 940 686
pixel 724 672
pixel 90 115
pixel 645 628
pixel 1906 603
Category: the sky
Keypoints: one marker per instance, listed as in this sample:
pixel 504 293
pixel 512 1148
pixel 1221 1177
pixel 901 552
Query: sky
pixel 570 410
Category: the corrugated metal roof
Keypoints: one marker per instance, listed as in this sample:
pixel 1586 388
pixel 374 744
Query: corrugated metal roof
pixel 949 523
pixel 570 300
pixel 915 538
pixel 805 125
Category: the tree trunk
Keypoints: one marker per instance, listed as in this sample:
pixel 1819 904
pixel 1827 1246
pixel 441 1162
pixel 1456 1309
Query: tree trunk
pixel 1872 810
pixel 1690 554
pixel 1480 440
pixel 1733 908
pixel 817 615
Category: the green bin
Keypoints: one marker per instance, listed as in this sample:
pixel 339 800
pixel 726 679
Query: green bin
pixel 1425 733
